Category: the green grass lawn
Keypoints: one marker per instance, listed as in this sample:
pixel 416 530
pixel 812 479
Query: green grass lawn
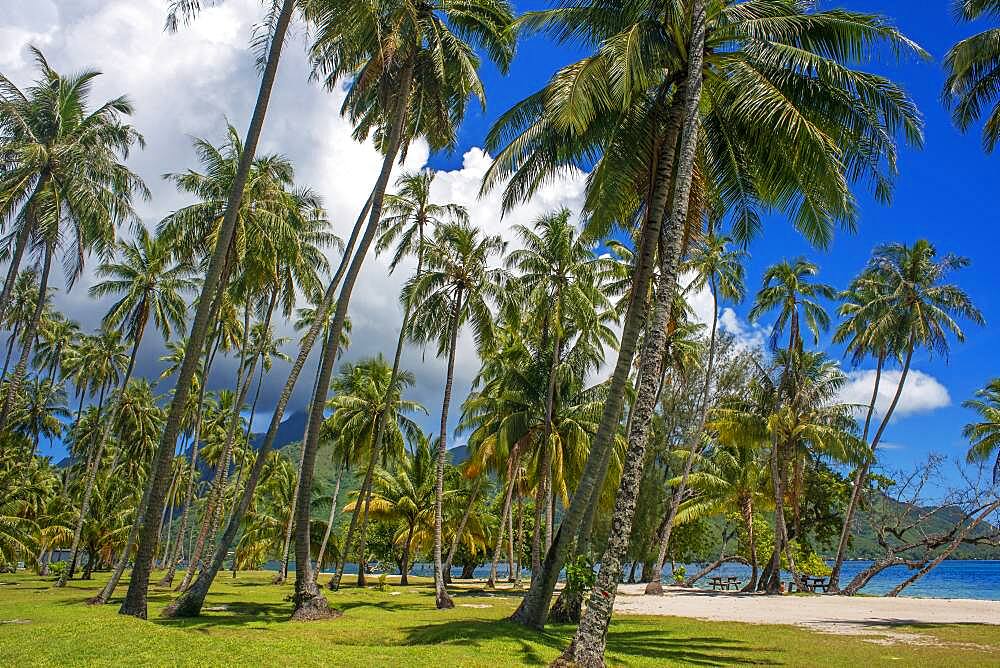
pixel 247 625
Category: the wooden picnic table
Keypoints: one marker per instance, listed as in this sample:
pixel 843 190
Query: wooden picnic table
pixel 815 584
pixel 720 583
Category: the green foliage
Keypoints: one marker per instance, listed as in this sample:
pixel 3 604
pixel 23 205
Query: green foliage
pixel 580 574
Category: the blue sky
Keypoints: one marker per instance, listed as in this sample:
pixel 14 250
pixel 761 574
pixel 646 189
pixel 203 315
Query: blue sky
pixel 942 194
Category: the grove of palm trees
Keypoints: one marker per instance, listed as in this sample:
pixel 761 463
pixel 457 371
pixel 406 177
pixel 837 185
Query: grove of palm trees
pixel 661 390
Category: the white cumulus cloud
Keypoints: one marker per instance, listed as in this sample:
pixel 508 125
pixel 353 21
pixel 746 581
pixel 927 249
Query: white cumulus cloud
pixel 922 392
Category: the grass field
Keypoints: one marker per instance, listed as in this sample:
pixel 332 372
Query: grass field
pixel 41 625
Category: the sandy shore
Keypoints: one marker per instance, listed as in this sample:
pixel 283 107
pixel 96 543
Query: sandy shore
pixel 861 615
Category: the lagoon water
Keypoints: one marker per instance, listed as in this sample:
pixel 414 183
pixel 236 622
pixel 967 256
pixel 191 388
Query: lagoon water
pixel 950 579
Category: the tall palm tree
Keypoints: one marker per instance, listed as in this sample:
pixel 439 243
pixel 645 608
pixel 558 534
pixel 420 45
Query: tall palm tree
pixel 101 360
pixel 148 283
pixel 410 217
pixel 24 296
pixel 405 495
pixel 746 125
pixel 419 69
pixel 904 305
pixel 970 88
pixel 984 436
pixel 279 19
pixel 557 273
pixel 718 268
pixel 457 287
pixel 67 188
pixel 787 288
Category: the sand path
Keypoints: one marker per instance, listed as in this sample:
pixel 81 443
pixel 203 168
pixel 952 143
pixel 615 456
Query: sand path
pixel 860 615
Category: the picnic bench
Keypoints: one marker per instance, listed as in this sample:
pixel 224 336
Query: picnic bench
pixel 815 584
pixel 720 583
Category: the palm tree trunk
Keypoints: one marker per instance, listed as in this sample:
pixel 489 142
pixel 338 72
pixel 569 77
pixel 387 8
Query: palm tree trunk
pixel 861 475
pixel 14 385
pixel 10 349
pixel 283 571
pixel 587 649
pixel 441 598
pixel 533 609
pixel 517 543
pixel 746 508
pixel 329 522
pixel 168 579
pixel 119 569
pixel 88 488
pixel 334 583
pixel 504 520
pixel 20 244
pixel 309 602
pixel 541 500
pixel 135 599
pixel 655 585
pixel 404 566
pixel 362 537
pixel 461 525
pixel 379 430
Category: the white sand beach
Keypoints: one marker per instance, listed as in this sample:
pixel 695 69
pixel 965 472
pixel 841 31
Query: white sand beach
pixel 858 615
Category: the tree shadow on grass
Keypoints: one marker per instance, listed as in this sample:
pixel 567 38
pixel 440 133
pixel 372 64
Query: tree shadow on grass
pixel 236 613
pixel 657 644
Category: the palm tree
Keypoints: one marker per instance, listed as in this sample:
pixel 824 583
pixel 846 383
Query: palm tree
pixel 786 287
pixel 556 271
pixel 22 308
pixel 135 600
pixel 101 360
pixel 405 495
pixel 719 268
pixel 420 68
pixel 41 412
pixel 367 401
pixel 57 335
pixel 902 303
pixel 733 475
pixel 410 217
pixel 746 125
pixel 456 288
pixel 970 85
pixel 68 187
pixel 985 435
pixel 148 282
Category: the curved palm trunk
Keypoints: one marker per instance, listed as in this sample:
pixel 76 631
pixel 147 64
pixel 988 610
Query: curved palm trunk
pixel 116 575
pixel 20 244
pixel 504 521
pixel 363 536
pixel 533 609
pixel 88 489
pixel 379 430
pixel 329 522
pixel 135 599
pixel 441 598
pixel 191 602
pixel 655 585
pixel 404 564
pixel 168 579
pixel 541 500
pixel 861 476
pixel 461 526
pixel 309 602
pixel 14 385
pixel 587 649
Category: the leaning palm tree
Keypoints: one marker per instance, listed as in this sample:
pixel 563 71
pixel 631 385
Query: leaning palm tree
pixel 57 335
pixel 277 27
pixel 985 435
pixel 718 268
pixel 902 304
pixel 148 283
pixel 67 188
pixel 457 287
pixel 410 216
pixel 629 111
pixel 970 88
pixel 419 70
